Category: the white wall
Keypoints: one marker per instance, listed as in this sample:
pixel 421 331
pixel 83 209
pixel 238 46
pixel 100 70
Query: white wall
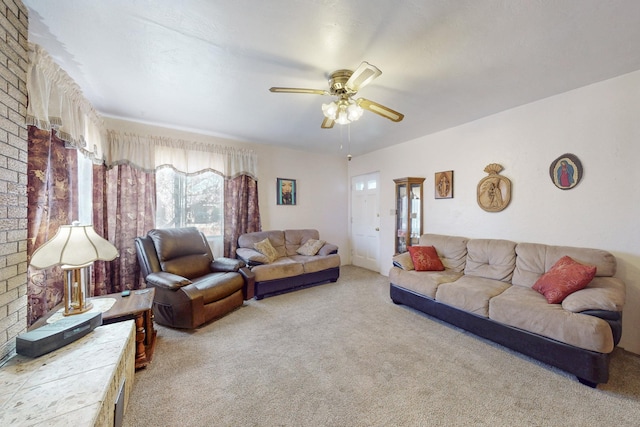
pixel 321 181
pixel 599 123
pixel 322 192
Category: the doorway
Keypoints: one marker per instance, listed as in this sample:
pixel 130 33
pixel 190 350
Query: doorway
pixel 365 221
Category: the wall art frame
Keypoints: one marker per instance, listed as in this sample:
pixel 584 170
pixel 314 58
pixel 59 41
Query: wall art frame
pixel 566 171
pixel 286 191
pixel 443 185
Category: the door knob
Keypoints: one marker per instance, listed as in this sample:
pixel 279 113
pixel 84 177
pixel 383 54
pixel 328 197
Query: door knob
pixel 377 229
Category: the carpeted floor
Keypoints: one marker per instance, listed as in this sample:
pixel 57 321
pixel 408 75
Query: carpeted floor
pixel 342 354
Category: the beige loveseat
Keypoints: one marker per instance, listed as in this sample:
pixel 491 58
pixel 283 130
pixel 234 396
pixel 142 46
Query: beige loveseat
pixel 300 259
pixel 487 288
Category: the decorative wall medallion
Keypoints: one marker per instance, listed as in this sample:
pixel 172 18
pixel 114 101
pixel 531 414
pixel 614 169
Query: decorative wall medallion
pixel 494 191
pixel 566 171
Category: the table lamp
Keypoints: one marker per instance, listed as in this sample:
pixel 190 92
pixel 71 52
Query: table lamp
pixel 74 247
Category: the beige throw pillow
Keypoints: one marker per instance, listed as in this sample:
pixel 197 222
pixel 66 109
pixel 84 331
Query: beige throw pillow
pixel 266 248
pixel 311 247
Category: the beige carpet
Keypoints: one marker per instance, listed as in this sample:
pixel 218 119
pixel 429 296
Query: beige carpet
pixel 342 354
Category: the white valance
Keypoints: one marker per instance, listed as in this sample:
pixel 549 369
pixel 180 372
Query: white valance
pixel 56 102
pixel 151 152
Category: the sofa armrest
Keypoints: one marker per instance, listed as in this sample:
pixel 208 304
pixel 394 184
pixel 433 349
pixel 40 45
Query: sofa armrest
pixel 603 293
pixel 613 318
pixel 328 249
pixel 251 256
pixel 403 261
pixel 227 264
pixel 165 280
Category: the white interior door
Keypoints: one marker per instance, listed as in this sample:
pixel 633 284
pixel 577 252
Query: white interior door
pixel 365 221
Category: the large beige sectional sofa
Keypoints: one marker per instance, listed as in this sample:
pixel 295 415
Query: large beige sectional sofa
pixel 486 288
pixel 288 270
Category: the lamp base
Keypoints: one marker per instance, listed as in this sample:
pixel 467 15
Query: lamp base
pixel 79 310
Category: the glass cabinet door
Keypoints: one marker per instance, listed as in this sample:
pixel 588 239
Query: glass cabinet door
pixel 408 212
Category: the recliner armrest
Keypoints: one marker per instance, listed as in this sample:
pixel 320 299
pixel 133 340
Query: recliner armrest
pixel 227 264
pixel 165 280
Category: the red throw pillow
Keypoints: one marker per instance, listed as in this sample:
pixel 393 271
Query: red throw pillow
pixel 425 258
pixel 565 277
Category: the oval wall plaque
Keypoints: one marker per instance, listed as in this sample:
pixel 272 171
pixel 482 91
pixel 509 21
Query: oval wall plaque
pixel 566 171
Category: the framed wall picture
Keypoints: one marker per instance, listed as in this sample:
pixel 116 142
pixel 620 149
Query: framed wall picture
pixel 444 185
pixel 286 191
pixel 566 171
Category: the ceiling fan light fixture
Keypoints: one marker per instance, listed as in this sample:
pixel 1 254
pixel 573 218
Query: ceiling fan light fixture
pixel 330 110
pixel 342 112
pixel 354 111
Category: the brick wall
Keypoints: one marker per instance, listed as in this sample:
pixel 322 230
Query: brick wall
pixel 13 174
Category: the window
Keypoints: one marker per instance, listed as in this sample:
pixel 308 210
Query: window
pixel 194 200
pixel 85 189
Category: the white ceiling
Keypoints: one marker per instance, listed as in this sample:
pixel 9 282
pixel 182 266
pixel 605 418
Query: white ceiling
pixel 206 66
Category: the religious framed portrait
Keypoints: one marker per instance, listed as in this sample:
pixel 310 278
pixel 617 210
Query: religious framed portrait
pixel 444 185
pixel 286 191
pixel 566 171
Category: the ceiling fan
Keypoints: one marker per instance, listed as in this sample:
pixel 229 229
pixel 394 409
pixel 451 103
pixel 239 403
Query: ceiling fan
pixel 344 84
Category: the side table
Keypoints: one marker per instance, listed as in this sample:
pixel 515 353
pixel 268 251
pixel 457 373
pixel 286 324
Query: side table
pixel 137 306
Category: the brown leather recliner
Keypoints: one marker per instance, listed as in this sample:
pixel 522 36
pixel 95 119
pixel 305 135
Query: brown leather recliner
pixel 191 286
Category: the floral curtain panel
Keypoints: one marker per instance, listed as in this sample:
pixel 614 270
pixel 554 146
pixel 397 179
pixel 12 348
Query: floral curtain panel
pixel 52 198
pixel 131 198
pixel 241 213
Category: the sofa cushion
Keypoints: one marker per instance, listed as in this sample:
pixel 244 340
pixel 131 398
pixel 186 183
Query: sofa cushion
pixel 422 282
pixel 279 269
pixel 535 259
pixel 470 293
pixel 491 259
pixel 276 237
pixel 311 247
pixel 311 264
pixel 266 248
pixel 452 250
pixel 216 286
pixel 524 308
pixel 188 266
pixel 425 258
pixel 565 277
pixel 293 239
pixel 182 251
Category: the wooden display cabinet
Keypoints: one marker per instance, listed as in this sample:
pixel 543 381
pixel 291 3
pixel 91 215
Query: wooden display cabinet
pixel 408 212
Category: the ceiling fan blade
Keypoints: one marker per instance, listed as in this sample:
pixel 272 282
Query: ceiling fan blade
pixel 362 76
pixel 327 123
pixel 374 107
pixel 299 90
